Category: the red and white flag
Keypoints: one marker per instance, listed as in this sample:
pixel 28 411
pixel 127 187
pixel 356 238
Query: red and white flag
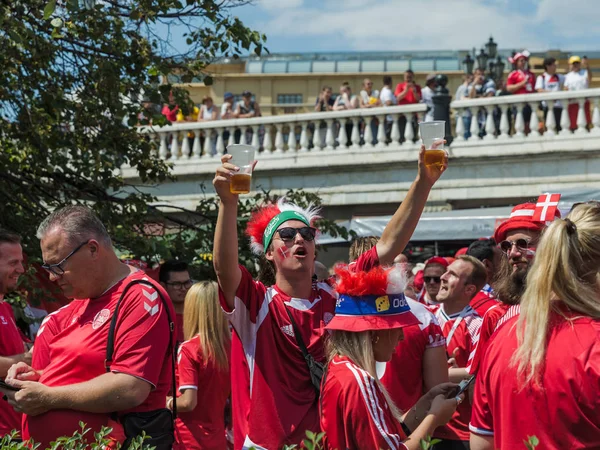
pixel 545 208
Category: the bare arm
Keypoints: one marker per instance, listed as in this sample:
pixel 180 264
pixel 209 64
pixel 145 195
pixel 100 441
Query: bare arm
pixel 399 230
pixel 515 87
pixel 7 361
pixel 187 402
pixel 402 94
pixel 435 367
pixel 481 442
pixel 225 249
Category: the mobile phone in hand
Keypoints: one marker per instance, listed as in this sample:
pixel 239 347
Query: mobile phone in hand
pixel 8 387
pixel 464 385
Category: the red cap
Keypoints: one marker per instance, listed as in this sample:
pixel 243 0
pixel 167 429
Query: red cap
pixel 418 282
pixel 518 56
pixel 437 260
pixel 521 218
pixel 461 251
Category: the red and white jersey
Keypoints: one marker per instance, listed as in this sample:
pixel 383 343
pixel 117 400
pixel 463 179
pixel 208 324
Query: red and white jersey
pixel 483 301
pixel 488 326
pixel 518 76
pixel 50 327
pixel 274 401
pixel 354 413
pixel 78 350
pixel 564 413
pixel 402 376
pixel 204 427
pixel 11 344
pixel 461 331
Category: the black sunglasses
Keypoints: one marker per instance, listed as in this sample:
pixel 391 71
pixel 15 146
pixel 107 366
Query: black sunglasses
pixel 434 279
pixel 521 244
pixel 289 233
pixel 57 269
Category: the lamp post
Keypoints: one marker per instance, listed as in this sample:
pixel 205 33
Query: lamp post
pixel 488 60
pixel 482 60
pixel 468 64
pixel 491 47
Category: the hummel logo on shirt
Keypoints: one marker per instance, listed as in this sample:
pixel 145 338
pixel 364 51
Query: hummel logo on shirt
pixel 288 329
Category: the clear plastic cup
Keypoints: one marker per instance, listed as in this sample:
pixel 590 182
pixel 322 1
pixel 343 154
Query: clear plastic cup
pixel 242 155
pixel 432 135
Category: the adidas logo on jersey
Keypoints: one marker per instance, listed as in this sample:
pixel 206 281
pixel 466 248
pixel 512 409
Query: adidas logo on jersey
pixel 288 329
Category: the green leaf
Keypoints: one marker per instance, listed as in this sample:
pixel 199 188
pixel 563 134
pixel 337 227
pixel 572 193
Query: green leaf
pixel 57 22
pixel 49 9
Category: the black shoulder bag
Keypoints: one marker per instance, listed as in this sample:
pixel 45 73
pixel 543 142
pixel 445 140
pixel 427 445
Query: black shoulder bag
pixel 158 424
pixel 314 367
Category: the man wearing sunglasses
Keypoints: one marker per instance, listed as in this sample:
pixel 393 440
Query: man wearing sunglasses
pixel 78 384
pixel 273 389
pixel 432 273
pixel 175 278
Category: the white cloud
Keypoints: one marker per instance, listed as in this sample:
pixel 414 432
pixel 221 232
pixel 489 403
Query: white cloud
pixel 427 24
pixel 279 4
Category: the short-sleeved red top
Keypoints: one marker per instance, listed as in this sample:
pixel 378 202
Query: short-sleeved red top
pixel 565 412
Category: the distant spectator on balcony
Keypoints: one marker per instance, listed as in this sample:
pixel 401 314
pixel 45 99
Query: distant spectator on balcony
pixel 521 81
pixel 191 117
pixel 369 97
pixel 208 110
pixel 386 96
pixel 325 100
pixel 345 100
pixel 481 87
pixel 408 93
pixel 170 109
pixel 578 78
pixel 462 92
pixel 550 81
pixel 247 108
pixel 228 108
pixel 427 96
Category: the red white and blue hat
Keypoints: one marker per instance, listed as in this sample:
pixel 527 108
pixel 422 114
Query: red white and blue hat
pixel 372 300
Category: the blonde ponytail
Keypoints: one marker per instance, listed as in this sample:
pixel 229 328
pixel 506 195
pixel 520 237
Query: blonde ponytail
pixel 566 269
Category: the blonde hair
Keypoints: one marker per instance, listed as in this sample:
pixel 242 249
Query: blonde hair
pixel 359 348
pixel 566 269
pixel 361 245
pixel 203 316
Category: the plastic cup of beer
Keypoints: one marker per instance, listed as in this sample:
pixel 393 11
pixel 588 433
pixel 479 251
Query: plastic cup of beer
pixel 432 135
pixel 242 156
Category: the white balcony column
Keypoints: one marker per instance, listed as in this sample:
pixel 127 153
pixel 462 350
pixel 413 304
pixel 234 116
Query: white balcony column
pixel 381 138
pixel 163 149
pixel 304 142
pixel 355 134
pixel 581 119
pixel 220 142
pixel 185 145
pixel 504 132
pixel 197 147
pixel 207 151
pixel 368 132
pixel 474 130
pixel 231 140
pixel 395 132
pixel 565 121
pixel 255 140
pixel 551 120
pixel 330 135
pixel 267 141
pixel 519 122
pixel 460 125
pixel 279 139
pixel 490 126
pixel 317 135
pixel 175 147
pixel 596 117
pixel 534 121
pixel 409 134
pixel 342 135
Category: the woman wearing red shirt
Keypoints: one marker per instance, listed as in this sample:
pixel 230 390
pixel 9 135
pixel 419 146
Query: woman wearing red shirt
pixel 545 373
pixel 356 411
pixel 202 363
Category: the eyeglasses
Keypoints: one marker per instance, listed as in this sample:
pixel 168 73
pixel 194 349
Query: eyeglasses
pixel 57 269
pixel 289 233
pixel 180 284
pixel 432 279
pixel 521 244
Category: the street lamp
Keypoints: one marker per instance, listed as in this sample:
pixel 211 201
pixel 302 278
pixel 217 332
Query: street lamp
pixel 468 64
pixel 491 48
pixel 482 60
pixel 498 71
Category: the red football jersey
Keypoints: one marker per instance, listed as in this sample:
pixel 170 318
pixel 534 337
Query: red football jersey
pixel 460 331
pixel 565 412
pixel 274 401
pixel 11 343
pixel 483 301
pixel 517 76
pixel 402 376
pixel 50 327
pixel 179 327
pixel 78 350
pixel 204 427
pixel 354 413
pixel 488 326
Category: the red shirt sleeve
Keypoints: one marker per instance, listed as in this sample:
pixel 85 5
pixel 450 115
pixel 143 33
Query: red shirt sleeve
pixel 142 334
pixel 433 334
pixel 513 78
pixel 399 88
pixel 188 365
pixel 419 91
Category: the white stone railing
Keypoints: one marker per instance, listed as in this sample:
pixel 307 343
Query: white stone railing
pixel 504 117
pixel 319 131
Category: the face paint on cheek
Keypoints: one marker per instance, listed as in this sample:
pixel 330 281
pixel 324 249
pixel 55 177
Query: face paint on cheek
pixel 284 252
pixel 529 253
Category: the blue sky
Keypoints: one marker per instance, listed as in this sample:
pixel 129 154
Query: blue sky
pixel 366 25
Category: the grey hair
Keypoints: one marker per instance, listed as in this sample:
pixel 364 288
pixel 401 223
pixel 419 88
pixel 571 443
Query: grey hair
pixel 78 222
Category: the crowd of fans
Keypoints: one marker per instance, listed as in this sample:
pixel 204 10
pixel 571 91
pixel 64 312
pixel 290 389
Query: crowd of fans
pixel 378 356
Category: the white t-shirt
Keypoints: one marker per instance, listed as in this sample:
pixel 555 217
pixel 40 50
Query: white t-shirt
pixel 550 83
pixel 387 95
pixel 577 81
pixel 427 98
pixel 224 108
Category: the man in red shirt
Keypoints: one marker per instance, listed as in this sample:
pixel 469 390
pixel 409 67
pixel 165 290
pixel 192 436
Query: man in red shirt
pixel 521 81
pixel 12 348
pixel 274 398
pixel 75 385
pixel 408 93
pixel 432 273
pixel 175 278
pixel 463 279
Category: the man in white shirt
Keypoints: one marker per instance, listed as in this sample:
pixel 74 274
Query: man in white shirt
pixel 427 96
pixel 550 81
pixel 578 78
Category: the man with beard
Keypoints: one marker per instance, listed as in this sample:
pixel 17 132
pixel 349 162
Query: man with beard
pixel 517 238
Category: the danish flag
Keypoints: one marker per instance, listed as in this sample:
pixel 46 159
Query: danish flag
pixel 545 208
pixel 150 305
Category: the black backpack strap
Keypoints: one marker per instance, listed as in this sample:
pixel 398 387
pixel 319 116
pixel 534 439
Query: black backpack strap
pixel 110 343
